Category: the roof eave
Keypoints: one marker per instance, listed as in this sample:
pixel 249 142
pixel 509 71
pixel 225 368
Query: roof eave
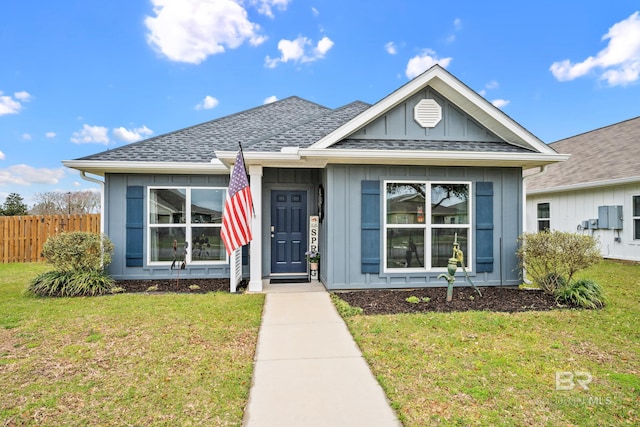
pixel 585 186
pixel 100 168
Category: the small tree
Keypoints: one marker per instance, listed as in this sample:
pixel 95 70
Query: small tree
pixel 13 205
pixel 552 258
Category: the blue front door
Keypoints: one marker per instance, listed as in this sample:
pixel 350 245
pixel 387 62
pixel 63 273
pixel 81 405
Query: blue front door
pixel 288 231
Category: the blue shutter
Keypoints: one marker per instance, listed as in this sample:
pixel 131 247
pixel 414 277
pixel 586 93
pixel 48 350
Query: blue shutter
pixel 484 227
pixel 370 226
pixel 135 221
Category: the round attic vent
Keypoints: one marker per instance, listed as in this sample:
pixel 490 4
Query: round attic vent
pixel 427 113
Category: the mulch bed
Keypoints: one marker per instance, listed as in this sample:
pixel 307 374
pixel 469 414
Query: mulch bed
pixel 175 285
pixel 500 299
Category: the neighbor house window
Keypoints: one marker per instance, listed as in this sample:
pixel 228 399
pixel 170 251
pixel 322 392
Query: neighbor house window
pixel 636 217
pixel 185 215
pixel 422 220
pixel 544 217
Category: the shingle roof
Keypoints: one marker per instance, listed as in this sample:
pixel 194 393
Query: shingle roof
pixel 604 154
pixel 250 127
pixel 415 144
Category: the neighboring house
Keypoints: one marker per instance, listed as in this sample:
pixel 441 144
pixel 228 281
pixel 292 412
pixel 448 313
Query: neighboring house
pixel 595 192
pixel 392 184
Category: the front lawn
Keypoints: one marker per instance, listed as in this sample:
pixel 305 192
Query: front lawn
pixel 127 359
pixel 551 368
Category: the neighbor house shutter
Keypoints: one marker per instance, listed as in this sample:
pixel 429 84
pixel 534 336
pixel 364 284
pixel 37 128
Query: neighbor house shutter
pixel 370 226
pixel 135 220
pixel 484 227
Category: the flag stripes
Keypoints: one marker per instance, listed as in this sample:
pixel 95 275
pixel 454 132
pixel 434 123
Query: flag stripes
pixel 236 217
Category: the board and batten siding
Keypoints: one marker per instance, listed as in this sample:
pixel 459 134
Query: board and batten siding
pixel 569 208
pixel 342 253
pixel 116 202
pixel 399 123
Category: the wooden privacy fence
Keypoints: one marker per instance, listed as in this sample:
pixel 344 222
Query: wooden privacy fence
pixel 22 237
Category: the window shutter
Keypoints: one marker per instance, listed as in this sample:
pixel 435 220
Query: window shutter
pixel 370 226
pixel 134 227
pixel 484 227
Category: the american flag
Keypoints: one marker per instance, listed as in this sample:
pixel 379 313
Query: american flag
pixel 236 218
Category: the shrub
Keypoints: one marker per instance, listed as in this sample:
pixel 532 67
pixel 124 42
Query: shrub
pixel 71 284
pixel 583 293
pixel 78 251
pixel 551 258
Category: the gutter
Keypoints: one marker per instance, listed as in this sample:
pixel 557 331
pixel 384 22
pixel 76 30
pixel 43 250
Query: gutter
pixel 84 176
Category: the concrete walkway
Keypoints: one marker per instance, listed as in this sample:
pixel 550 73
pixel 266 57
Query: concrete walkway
pixel 309 371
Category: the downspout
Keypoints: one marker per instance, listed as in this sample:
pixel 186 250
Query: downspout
pixel 101 184
pixel 542 171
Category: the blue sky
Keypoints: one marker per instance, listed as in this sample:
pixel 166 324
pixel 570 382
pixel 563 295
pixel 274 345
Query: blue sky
pixel 78 77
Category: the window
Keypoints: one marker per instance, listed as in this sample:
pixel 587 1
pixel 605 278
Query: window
pixel 636 217
pixel 422 220
pixel 544 217
pixel 186 215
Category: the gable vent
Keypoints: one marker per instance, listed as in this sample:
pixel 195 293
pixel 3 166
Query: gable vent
pixel 427 113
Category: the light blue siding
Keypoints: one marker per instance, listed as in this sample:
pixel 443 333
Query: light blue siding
pixel 341 244
pixel 398 123
pixel 115 225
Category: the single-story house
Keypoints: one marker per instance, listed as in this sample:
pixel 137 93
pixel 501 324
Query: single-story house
pixel 384 188
pixel 595 192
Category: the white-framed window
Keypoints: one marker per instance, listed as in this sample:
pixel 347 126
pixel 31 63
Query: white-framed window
pixel 421 221
pixel 636 217
pixel 184 225
pixel 543 215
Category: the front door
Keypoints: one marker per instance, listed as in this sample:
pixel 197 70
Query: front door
pixel 288 231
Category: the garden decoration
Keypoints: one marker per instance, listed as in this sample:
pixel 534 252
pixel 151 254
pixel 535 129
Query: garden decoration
pixel 183 265
pixel 452 266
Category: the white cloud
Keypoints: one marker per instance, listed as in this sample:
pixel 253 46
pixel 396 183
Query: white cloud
pixel 270 99
pixel 264 6
pixel 2 155
pixel 315 11
pixel 207 103
pixel 50 135
pixel 27 175
pixel 499 103
pixel 191 30
pixel 619 62
pixel 296 51
pixel 422 62
pixel 26 137
pixel 457 24
pixel 391 48
pixel 132 135
pixel 91 134
pixel 9 105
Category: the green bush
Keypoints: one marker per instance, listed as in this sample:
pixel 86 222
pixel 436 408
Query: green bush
pixel 71 284
pixel 551 258
pixel 583 293
pixel 78 251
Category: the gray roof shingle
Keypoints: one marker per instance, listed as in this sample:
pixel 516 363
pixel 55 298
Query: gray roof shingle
pixel 608 153
pixel 197 143
pixel 415 144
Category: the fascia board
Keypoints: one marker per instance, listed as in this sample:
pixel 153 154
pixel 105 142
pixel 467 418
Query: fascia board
pixel 584 186
pixel 100 168
pixel 458 158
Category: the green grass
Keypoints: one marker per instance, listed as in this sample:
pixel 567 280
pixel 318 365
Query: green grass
pixel 481 368
pixel 126 359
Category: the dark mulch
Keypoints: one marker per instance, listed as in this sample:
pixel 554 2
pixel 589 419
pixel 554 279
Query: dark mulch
pixel 385 301
pixel 175 285
pixel 464 299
